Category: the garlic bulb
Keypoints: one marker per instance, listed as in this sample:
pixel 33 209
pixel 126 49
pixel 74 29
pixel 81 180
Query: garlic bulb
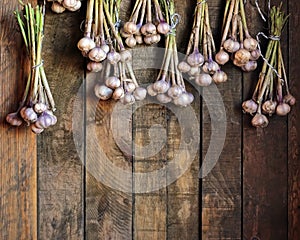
pixel 40 107
pixel 125 55
pixel 260 120
pixel 57 7
pixel 148 29
pixel 249 66
pixel 44 121
pixel 194 71
pixel 250 106
pixel 184 100
pixel 85 44
pixel 163 28
pixel 219 77
pixel 203 79
pixel 94 66
pixel 231 45
pixel 105 48
pixel 161 86
pixel 130 41
pixel 255 54
pixel 175 91
pixel 113 82
pixel 290 99
pixel 36 130
pixel 130 27
pixel 269 107
pixel 103 92
pixel 128 99
pixel 29 115
pixel 195 59
pixel 118 93
pixel 242 56
pixel 184 67
pixel 210 67
pixel 113 57
pixel 250 44
pixel 151 91
pixel 283 109
pixel 13 119
pixel 163 98
pixel 222 57
pixel 97 54
pixel 140 93
pixel 130 87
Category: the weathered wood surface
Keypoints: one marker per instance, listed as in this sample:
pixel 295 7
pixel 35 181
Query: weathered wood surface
pixel 250 193
pixel 293 124
pixel 18 158
pixel 61 178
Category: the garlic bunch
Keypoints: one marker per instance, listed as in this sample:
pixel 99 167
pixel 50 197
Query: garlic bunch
pixel 116 84
pixel 271 95
pixel 199 62
pixel 169 86
pixel 59 6
pixel 37 105
pixel 236 39
pixel 141 27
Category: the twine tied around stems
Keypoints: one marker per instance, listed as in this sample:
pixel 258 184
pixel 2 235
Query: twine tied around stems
pixel 271 37
pixel 175 19
pixel 38 65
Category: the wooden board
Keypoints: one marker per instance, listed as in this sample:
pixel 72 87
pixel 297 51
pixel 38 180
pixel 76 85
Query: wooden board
pixel 221 188
pixel 293 125
pixel 264 165
pixel 18 160
pixel 61 181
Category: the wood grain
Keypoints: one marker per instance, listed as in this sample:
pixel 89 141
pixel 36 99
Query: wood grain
pixel 264 165
pixel 61 171
pixel 294 128
pixel 221 188
pixel 18 164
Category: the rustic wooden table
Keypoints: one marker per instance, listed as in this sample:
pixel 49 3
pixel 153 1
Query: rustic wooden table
pixel 253 192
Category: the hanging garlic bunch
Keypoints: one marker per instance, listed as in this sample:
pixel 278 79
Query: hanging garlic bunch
pixel 59 6
pixel 169 86
pixel 37 104
pixel 236 39
pixel 108 54
pixel 199 62
pixel 271 95
pixel 142 27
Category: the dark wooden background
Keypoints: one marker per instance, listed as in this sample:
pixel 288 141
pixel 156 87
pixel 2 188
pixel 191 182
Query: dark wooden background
pixel 46 193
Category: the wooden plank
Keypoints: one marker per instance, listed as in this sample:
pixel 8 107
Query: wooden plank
pixel 18 165
pixel 264 165
pixel 294 126
pixel 221 188
pixel 183 200
pixel 109 207
pixel 61 171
